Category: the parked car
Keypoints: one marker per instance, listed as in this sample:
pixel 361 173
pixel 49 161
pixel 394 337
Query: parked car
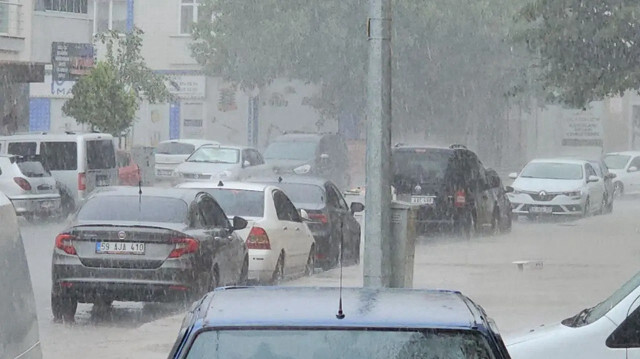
pixel 169 154
pixel 331 220
pixel 19 336
pixel 80 162
pixel 161 245
pixel 502 206
pixel 557 187
pixel 128 171
pixel 449 184
pixel 317 154
pixel 220 162
pixel 626 167
pixel 606 331
pixel 29 186
pixel 277 236
pixel 304 323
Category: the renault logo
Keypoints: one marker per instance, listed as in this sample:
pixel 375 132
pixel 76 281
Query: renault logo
pixel 542 194
pixel 122 235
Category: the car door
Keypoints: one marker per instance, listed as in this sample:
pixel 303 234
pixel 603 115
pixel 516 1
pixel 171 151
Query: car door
pixel 596 189
pixel 292 232
pixel 351 227
pixel 338 212
pixel 633 175
pixel 217 229
pixel 484 198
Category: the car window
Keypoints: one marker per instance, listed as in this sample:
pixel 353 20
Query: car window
pixel 627 334
pixel 285 210
pixel 59 156
pixel 635 163
pixel 597 169
pixel 33 169
pixel 256 157
pixel 211 214
pixel 334 199
pixel 100 154
pixel 134 208
pixel 22 148
pixel 589 170
pixel 239 202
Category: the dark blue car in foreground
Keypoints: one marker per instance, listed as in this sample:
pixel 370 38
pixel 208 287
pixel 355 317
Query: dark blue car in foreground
pixel 280 322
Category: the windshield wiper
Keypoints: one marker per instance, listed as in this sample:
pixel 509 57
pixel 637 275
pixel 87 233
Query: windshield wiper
pixel 581 318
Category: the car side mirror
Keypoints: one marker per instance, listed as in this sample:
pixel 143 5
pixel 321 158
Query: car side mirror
pixel 611 175
pixel 513 175
pixel 356 207
pixel 593 179
pixel 632 169
pixel 239 223
pixel 304 215
pixel 246 163
pixel 324 156
pixel 508 189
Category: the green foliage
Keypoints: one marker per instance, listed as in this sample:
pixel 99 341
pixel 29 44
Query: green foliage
pixel 451 64
pixel 588 50
pixel 108 98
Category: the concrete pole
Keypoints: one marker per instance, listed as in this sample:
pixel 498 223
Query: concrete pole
pixel 377 258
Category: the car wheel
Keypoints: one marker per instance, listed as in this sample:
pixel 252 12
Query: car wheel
pixel 618 189
pixel 63 307
pixel 311 262
pixel 278 272
pixel 244 272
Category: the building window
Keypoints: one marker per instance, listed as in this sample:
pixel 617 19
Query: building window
pixel 188 15
pixel 110 15
pixel 73 6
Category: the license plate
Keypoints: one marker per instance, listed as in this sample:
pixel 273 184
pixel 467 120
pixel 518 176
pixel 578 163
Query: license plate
pixel 47 205
pixel 165 173
pixel 102 182
pixel 422 200
pixel 119 248
pixel 541 209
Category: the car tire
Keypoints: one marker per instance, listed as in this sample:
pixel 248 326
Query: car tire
pixel 310 268
pixel 278 272
pixel 63 306
pixel 618 189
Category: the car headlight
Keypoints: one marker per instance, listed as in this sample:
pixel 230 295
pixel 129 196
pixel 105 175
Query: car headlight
pixel 572 194
pixel 302 169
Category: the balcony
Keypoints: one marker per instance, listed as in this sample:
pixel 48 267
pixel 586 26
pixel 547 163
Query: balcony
pixel 11 26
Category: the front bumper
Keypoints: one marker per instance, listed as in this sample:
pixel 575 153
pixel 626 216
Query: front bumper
pixel 40 204
pixel 523 203
pixel 262 264
pixel 169 282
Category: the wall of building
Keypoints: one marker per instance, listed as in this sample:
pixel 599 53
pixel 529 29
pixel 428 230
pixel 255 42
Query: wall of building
pixel 61 27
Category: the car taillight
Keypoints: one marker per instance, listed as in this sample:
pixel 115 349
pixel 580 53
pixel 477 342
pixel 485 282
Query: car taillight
pixel 64 242
pixel 258 239
pixel 183 245
pixel 82 182
pixel 318 217
pixel 460 199
pixel 23 183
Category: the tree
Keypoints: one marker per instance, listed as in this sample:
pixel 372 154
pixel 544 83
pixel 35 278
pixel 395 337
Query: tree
pixel 452 65
pixel 109 96
pixel 588 50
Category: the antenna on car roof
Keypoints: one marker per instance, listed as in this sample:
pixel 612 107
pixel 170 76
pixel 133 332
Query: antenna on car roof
pixel 279 179
pixel 340 314
pixel 220 184
pixel 139 190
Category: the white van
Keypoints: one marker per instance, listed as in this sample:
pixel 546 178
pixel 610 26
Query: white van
pixel 80 162
pixel 169 154
pixel 19 336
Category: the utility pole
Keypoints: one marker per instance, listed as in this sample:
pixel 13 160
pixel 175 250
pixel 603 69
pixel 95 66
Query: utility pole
pixel 377 256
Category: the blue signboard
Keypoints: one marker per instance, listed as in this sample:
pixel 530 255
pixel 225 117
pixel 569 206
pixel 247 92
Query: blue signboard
pixel 129 15
pixel 39 114
pixel 174 121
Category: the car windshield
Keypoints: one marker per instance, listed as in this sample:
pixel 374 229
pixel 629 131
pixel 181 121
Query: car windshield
pixel 300 193
pixel 175 148
pixel 295 150
pixel 134 208
pixel 33 169
pixel 100 154
pixel 241 203
pixel 215 155
pixel 421 164
pixel 548 170
pixel 329 344
pixel 616 162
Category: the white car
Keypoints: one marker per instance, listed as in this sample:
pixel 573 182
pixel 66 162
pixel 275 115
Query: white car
pixel 626 166
pixel 229 163
pixel 557 187
pixel 277 237
pixel 607 331
pixel 169 154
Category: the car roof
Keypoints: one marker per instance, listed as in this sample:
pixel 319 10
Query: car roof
pixel 191 141
pixel 243 186
pixel 179 193
pixel 628 153
pixel 289 178
pixel 234 147
pixel 559 160
pixel 55 136
pixel 363 307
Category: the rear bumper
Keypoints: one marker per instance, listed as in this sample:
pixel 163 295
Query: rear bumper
pixel 37 204
pixel 262 264
pixel 171 281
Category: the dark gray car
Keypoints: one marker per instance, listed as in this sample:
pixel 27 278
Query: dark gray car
pixel 163 245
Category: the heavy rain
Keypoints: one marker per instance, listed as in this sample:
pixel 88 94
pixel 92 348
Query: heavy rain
pixel 319 179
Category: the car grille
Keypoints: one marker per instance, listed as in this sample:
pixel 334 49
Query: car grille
pixel 195 176
pixel 542 196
